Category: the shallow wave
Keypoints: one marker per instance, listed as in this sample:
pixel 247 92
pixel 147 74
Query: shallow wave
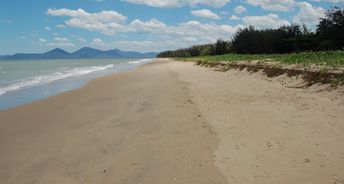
pixel 46 79
pixel 140 61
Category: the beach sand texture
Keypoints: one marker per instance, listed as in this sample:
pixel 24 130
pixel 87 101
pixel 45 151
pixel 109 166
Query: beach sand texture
pixel 172 122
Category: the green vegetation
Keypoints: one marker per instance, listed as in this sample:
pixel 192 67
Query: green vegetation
pixel 324 58
pixel 286 39
pixel 328 70
pixel 287 44
pixel 292 44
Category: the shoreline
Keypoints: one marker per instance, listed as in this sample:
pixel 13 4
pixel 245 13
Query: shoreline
pixel 173 122
pixel 20 93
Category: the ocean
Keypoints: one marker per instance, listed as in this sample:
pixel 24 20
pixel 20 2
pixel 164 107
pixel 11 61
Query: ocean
pixel 24 81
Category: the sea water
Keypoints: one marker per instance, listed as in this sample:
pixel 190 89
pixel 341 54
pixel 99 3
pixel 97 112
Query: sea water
pixel 24 81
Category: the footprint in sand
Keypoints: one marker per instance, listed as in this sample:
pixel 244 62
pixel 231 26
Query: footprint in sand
pixel 276 145
pixel 306 161
pixel 336 180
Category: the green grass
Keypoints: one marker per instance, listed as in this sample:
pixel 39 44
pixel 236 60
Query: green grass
pixel 326 58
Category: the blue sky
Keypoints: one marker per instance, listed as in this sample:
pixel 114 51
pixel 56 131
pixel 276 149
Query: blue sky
pixel 33 26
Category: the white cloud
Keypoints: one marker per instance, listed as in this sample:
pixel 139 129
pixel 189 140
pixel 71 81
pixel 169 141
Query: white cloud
pixel 156 45
pixel 335 1
pixel 273 5
pixel 240 9
pixel 331 1
pixel 234 17
pixel 103 16
pixel 60 44
pixel 308 14
pixel 83 40
pixel 97 42
pixel 42 40
pixel 174 37
pixel 266 21
pixel 204 33
pixel 179 3
pixel 181 35
pixel 106 22
pixel 61 39
pixel 61 26
pixel 153 26
pixel 48 28
pixel 205 14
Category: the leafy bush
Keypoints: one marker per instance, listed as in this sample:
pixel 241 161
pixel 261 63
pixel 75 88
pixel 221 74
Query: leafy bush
pixel 286 39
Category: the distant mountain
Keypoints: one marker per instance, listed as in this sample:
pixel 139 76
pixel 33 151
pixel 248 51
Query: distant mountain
pixel 88 52
pixel 83 53
pixel 56 53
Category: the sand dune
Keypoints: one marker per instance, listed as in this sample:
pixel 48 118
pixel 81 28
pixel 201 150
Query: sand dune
pixel 172 122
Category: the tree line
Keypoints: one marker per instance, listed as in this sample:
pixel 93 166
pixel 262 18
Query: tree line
pixel 329 35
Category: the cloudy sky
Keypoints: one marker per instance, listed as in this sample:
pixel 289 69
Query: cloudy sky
pixel 142 25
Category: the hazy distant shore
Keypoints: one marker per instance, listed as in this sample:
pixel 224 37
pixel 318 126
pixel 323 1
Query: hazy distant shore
pixel 173 122
pixel 83 53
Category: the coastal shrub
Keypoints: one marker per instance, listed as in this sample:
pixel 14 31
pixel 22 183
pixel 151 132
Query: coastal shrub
pixel 330 30
pixel 287 39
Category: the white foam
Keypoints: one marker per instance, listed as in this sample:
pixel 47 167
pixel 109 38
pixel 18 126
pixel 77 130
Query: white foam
pixel 140 61
pixel 46 79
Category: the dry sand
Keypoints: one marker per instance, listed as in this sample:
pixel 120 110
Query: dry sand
pixel 172 122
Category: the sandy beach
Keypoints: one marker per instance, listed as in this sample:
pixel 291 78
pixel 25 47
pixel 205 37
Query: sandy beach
pixel 173 122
